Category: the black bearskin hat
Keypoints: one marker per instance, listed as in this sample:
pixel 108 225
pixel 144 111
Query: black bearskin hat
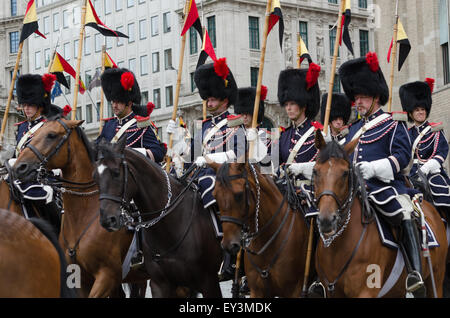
pixel 301 86
pixel 120 84
pixel 417 94
pixel 340 107
pixel 364 76
pixel 246 102
pixel 216 80
pixel 34 89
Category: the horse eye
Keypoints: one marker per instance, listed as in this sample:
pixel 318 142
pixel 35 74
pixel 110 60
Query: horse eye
pixel 52 136
pixel 346 173
pixel 239 196
pixel 115 173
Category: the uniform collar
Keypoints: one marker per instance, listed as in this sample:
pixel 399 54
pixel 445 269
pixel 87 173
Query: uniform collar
pixel 126 118
pixel 422 126
pixel 374 115
pixel 217 119
pixel 36 121
pixel 301 125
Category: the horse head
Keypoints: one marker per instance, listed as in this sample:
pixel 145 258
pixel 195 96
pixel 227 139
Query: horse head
pixel 236 200
pixel 110 175
pixel 49 148
pixel 333 183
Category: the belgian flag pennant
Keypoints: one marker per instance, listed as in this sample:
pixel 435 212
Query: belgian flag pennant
pixel 303 52
pixel 60 65
pixel 207 50
pixel 277 16
pixel 109 63
pixel 30 22
pixel 404 46
pixel 192 19
pixel 93 21
pixel 346 19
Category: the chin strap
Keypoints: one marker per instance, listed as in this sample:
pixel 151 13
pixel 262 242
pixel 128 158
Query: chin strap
pixel 371 108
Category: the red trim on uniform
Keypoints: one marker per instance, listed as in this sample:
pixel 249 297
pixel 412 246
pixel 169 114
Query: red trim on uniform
pixel 107 119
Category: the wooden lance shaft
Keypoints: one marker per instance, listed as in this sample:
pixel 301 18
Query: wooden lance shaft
pixel 177 90
pixel 204 39
pixel 333 69
pixel 102 99
pixel 80 53
pixel 10 95
pixel 260 74
pixel 298 50
pixel 393 60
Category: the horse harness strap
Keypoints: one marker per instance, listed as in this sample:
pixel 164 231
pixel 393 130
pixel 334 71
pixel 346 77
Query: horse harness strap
pixel 331 286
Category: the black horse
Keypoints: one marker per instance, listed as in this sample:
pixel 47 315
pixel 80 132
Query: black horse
pixel 181 251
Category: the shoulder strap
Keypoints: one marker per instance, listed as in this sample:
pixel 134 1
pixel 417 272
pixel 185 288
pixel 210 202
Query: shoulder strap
pixel 413 149
pixel 26 136
pixel 299 144
pixel 213 130
pixel 370 125
pixel 122 130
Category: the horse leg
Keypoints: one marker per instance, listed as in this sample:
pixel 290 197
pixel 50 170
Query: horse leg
pixel 162 289
pixel 104 285
pixel 137 290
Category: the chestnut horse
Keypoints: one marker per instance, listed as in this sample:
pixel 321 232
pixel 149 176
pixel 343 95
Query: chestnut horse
pixel 32 262
pixel 355 263
pixel 257 216
pixel 62 144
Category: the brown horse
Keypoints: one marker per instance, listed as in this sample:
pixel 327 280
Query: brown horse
pixel 275 251
pixel 61 144
pixel 6 200
pixel 32 262
pixel 355 263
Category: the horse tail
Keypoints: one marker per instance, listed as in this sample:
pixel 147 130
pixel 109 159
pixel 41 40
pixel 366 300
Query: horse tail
pixel 47 229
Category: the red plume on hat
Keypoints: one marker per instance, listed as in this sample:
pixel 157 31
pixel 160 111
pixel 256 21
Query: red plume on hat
pixel 66 110
pixel 127 81
pixel 372 61
pixel 48 80
pixel 221 69
pixel 263 92
pixel 312 75
pixel 430 82
pixel 150 108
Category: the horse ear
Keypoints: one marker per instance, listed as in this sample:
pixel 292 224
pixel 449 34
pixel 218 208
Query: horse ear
pixel 78 123
pixel 350 147
pixel 319 140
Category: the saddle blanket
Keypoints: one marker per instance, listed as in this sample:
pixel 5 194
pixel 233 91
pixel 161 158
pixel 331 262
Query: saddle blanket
pixel 387 237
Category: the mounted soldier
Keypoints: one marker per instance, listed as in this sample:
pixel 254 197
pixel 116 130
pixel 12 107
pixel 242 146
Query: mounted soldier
pixel 430 147
pixel 222 138
pixel 33 96
pixel 340 112
pixel 132 120
pixel 383 151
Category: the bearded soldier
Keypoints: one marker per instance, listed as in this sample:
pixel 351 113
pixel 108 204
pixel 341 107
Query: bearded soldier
pixel 430 147
pixel 339 114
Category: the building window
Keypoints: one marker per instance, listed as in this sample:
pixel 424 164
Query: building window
pixel 37 60
pixel 157 98
pixel 119 5
pixel 121 64
pixel 78 115
pixel 120 40
pixel 76 15
pixel 132 65
pixel 332 1
pixel 131 33
pixel 14 42
pixel 67 90
pixel 155 62
pixel 193 45
pixel 55 22
pixel 88 113
pixel 169 96
pixel 87 78
pixel 144 65
pixel 98 111
pixel 142 29
pixel 168 59
pixel 13 8
pixel 193 85
pixel 254 72
pixel 98 42
pixel 65 19
pixel 155 28
pixel 166 22
pixel 47 57
pixel 108 8
pixel 362 4
pixel 15 83
pixel 75 49
pixel 66 49
pixel 130 3
pixel 87 46
pixel 253 29
pixel 446 63
pixel 211 21
pixel 363 42
pixel 332 33
pixel 46 25
pixel 303 27
pixel 109 42
pixel 337 84
pixel 144 98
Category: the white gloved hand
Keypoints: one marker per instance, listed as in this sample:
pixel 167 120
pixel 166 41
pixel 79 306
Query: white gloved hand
pixel 303 168
pixel 367 170
pixel 221 157
pixel 200 162
pixel 172 127
pixel 252 134
pixel 431 166
pixel 380 169
pixel 327 137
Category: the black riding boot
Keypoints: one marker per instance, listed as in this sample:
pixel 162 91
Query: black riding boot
pixel 228 267
pixel 51 213
pixel 410 242
pixel 138 257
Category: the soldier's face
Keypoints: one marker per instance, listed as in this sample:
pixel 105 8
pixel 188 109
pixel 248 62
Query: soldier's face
pixel 337 123
pixel 293 110
pixel 247 119
pixel 119 108
pixel 419 114
pixel 29 110
pixel 216 106
pixel 363 104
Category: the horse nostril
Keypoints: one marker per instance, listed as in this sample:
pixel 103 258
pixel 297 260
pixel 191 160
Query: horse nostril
pixel 22 168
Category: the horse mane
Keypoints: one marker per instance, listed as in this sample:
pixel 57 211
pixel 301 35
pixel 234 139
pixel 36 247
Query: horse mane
pixel 332 150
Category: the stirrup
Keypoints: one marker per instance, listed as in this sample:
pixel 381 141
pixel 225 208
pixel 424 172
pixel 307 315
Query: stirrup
pixel 137 259
pixel 317 290
pixel 415 287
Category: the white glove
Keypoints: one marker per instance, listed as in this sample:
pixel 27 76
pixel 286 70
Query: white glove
pixel 431 166
pixel 221 157
pixel 303 168
pixel 172 127
pixel 200 162
pixel 327 137
pixel 252 134
pixel 259 148
pixel 380 169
